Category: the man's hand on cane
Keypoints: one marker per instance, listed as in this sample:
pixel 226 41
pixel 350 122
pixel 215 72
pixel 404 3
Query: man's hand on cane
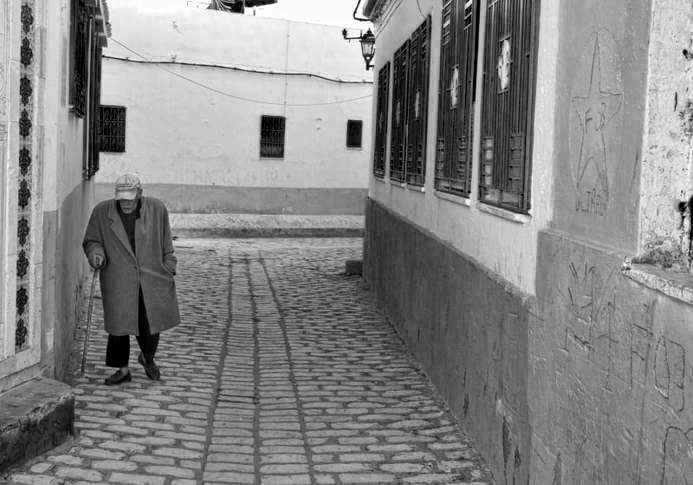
pixel 96 260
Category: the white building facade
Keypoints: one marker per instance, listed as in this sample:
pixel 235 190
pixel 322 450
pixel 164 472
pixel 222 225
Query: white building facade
pixel 528 226
pixel 220 112
pixel 50 57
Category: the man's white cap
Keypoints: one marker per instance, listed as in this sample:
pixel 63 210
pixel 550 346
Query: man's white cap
pixel 127 186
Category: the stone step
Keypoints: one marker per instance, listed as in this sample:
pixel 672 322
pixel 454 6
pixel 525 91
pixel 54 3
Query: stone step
pixel 34 417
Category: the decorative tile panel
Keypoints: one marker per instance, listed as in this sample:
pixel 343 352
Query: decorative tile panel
pixel 25 175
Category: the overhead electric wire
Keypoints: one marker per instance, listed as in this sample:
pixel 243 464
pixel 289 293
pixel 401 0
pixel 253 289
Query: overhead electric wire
pixel 234 96
pixel 237 68
pixel 418 5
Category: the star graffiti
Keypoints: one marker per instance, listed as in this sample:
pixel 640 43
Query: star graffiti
pixel 595 110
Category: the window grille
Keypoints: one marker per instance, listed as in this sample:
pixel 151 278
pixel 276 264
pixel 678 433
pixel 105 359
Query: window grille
pixel 354 133
pixel 112 132
pixel 399 112
pixel 417 106
pixel 93 120
pixel 272 136
pixel 410 107
pixel 456 96
pixel 380 142
pixel 79 26
pixel 507 105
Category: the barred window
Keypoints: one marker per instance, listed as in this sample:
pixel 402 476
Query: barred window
pixel 399 112
pixel 507 105
pixel 417 117
pixel 456 96
pixel 79 56
pixel 410 107
pixel 354 133
pixel 272 136
pixel 380 142
pixel 112 128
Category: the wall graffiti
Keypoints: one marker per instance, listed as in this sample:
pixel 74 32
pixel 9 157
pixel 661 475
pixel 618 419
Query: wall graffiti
pixel 670 372
pixel 677 466
pixel 620 339
pixel 633 356
pixel 600 101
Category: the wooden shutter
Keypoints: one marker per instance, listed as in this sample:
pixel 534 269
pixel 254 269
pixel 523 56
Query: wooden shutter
pixel 417 106
pixel 399 113
pixel 380 144
pixel 509 71
pixel 456 95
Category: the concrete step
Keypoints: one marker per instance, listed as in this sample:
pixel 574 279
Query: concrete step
pixel 34 417
pixel 265 225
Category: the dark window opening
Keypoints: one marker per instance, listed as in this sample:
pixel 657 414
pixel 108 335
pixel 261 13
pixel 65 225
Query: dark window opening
pixel 410 107
pixel 272 133
pixel 354 133
pixel 112 129
pixel 79 75
pixel 86 46
pixel 417 118
pixel 399 112
pixel 456 96
pixel 380 142
pixel 507 104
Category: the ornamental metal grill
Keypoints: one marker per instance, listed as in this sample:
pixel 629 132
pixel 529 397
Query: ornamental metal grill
pixel 399 113
pixel 112 128
pixel 25 179
pixel 417 105
pixel 456 96
pixel 354 133
pixel 272 132
pixel 91 165
pixel 79 74
pixel 380 142
pixel 507 106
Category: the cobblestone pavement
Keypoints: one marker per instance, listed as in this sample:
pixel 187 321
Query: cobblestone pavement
pixel 283 372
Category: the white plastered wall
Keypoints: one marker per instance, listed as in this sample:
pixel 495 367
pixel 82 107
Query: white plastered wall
pixel 179 132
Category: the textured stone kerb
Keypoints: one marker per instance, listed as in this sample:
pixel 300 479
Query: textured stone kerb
pixel 34 417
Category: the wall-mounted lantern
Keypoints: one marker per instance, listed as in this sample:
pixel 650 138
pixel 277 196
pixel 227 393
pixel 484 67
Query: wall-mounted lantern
pixel 367 45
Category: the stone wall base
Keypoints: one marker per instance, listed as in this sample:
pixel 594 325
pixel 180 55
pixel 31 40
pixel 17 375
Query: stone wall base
pixel 465 325
pixel 34 417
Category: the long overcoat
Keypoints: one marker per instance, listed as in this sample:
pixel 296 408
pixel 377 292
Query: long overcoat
pixel 151 268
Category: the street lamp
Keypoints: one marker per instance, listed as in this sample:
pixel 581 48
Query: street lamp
pixel 367 45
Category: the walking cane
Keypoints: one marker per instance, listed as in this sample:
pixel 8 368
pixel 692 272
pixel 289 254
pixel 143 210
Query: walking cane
pixel 90 307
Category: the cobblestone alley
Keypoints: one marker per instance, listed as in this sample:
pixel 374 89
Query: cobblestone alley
pixel 283 372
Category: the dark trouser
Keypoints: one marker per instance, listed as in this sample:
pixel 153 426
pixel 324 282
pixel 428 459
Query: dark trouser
pixel 118 348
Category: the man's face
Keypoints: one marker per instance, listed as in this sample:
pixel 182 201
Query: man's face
pixel 128 206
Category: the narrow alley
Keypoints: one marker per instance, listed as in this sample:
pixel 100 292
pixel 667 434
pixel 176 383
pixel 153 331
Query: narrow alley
pixel 283 372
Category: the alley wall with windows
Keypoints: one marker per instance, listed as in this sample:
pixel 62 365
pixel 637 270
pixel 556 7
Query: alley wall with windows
pixel 520 226
pixel 216 124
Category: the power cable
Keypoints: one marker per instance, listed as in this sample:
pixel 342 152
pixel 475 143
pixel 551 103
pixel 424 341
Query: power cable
pixel 420 11
pixel 233 96
pixel 236 68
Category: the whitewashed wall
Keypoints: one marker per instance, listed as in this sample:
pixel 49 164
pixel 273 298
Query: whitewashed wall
pixel 188 141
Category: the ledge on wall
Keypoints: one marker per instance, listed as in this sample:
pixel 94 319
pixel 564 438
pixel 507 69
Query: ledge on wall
pixel 34 417
pixel 675 284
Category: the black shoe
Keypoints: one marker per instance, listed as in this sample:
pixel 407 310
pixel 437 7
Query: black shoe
pixel 151 369
pixel 118 378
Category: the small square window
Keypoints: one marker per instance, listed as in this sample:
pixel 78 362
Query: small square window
pixel 272 133
pixel 112 129
pixel 354 133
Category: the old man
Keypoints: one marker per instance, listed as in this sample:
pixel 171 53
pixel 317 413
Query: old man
pixel 128 238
